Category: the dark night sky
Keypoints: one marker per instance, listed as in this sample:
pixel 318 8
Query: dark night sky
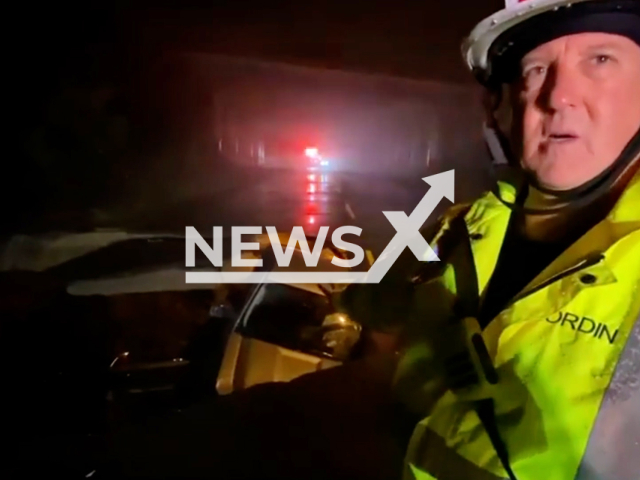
pixel 59 53
pixel 413 38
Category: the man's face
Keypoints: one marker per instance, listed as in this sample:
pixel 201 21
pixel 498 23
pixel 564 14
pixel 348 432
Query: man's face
pixel 579 98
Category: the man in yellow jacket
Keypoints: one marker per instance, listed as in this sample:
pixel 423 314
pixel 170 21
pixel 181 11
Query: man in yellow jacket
pixel 521 349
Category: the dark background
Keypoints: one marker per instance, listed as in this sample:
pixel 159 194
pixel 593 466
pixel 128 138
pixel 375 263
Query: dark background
pixel 93 111
pixel 419 39
pixel 111 111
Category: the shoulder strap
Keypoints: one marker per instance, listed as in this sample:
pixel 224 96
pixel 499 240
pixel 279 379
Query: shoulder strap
pixel 468 305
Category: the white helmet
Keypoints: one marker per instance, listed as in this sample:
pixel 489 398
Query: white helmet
pixel 524 24
pixel 496 45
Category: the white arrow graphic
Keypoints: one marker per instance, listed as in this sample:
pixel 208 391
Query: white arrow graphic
pixel 408 228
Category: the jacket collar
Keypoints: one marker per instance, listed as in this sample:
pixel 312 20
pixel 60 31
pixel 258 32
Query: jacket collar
pixel 627 208
pixel 489 217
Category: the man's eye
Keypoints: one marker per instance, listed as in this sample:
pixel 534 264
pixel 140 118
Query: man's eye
pixel 532 77
pixel 533 72
pixel 602 59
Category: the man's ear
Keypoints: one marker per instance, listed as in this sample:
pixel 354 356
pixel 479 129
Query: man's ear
pixel 491 99
pixel 501 114
pixel 499 105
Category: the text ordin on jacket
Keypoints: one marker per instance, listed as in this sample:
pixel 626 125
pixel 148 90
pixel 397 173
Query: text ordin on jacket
pixel 584 325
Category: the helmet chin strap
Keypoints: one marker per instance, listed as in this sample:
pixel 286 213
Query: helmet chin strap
pixel 566 200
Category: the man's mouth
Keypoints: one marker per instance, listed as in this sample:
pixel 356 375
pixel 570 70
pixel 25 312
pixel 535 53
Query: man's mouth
pixel 562 137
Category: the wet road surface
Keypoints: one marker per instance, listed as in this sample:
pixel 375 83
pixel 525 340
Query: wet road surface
pixel 287 198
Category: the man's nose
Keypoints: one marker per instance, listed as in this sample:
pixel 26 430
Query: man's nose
pixel 561 89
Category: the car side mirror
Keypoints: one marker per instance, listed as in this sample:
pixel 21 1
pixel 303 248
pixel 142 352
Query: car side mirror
pixel 341 334
pixel 336 337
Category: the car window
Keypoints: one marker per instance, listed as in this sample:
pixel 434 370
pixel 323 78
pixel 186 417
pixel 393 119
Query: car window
pixel 281 312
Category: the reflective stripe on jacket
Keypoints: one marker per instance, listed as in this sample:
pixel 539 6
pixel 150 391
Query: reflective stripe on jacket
pixel 567 354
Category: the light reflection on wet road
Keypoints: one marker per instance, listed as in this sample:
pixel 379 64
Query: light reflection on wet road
pixel 285 199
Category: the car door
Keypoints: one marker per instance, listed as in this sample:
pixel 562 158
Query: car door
pixel 285 331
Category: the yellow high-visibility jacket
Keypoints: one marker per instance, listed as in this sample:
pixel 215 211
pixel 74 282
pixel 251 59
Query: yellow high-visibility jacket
pixel 566 353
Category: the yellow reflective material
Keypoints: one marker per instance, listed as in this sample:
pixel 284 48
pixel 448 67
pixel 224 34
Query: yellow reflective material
pixel 555 350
